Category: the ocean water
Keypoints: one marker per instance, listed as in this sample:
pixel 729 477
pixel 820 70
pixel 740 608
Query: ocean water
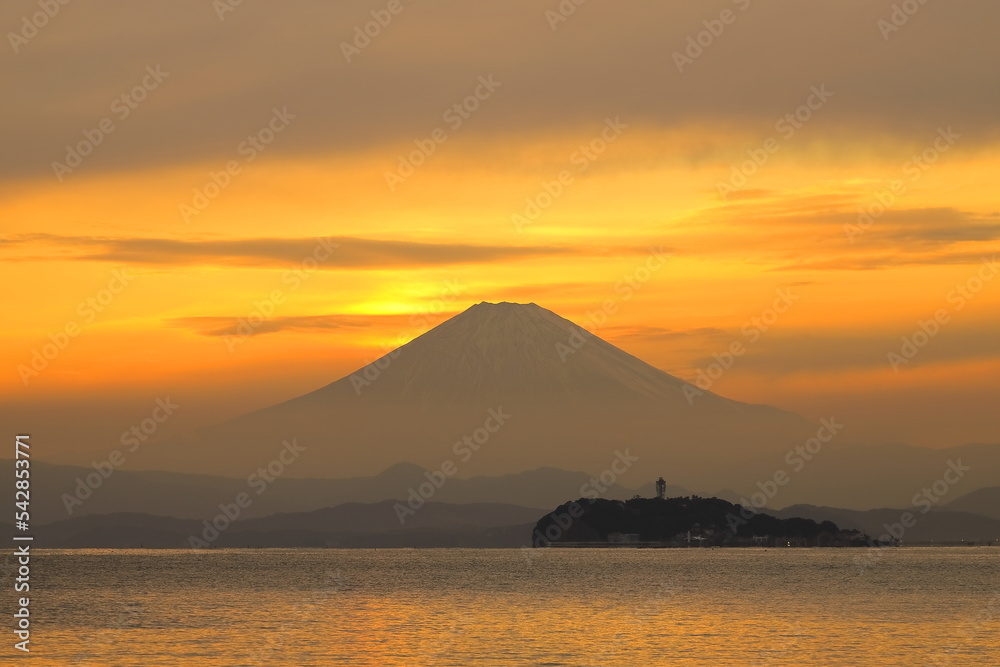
pixel 906 606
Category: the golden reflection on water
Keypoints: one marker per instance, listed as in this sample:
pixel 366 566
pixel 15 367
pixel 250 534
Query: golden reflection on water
pixel 510 607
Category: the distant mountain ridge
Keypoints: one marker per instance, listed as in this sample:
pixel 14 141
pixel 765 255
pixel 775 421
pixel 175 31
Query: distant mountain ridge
pixel 493 525
pixel 347 526
pixel 182 495
pixel 935 526
pixel 984 501
pixel 566 400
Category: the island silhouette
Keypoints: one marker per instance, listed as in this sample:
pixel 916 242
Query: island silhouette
pixel 681 522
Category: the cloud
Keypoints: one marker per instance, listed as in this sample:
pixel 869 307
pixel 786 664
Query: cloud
pixel 547 292
pixel 327 252
pixel 227 326
pixel 606 59
pixel 936 226
pixel 750 193
pixel 794 208
pixel 657 334
pixel 405 324
pixel 829 222
pixel 942 223
pixel 889 261
pixel 792 354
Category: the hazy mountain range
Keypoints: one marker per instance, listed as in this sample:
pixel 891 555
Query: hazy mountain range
pixel 496 405
pixel 437 524
pixel 348 525
pixel 567 400
pixel 936 526
pixel 187 496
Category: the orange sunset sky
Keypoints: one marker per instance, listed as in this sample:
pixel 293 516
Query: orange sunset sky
pixel 633 140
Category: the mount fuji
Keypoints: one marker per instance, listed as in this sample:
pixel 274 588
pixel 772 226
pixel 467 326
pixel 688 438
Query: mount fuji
pixel 499 388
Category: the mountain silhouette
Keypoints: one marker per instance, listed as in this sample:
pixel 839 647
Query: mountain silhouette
pixel 190 496
pixel 985 501
pixel 573 401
